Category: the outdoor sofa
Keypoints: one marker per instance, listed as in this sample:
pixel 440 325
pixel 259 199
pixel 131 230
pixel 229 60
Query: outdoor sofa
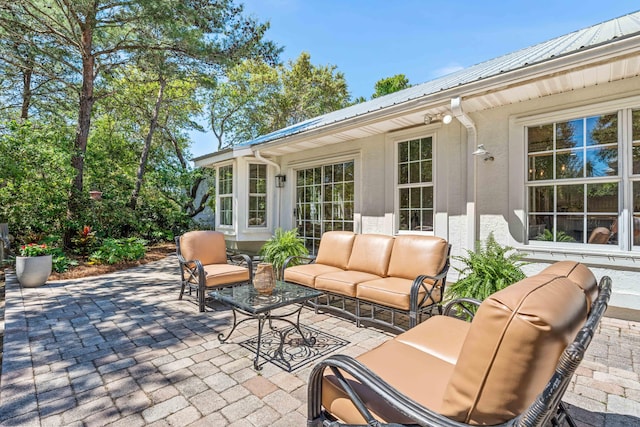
pixel 370 274
pixel 509 366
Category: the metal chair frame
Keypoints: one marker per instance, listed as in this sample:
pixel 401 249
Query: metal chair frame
pixel 546 410
pixel 193 277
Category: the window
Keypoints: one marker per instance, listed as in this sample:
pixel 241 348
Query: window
pixel 257 195
pixel 324 201
pixel 225 195
pixel 573 180
pixel 415 184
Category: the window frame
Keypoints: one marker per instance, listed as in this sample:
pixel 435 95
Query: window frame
pixel 264 195
pixel 397 187
pixel 220 196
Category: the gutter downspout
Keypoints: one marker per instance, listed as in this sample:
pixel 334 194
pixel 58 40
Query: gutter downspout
pixel 269 162
pixel 472 165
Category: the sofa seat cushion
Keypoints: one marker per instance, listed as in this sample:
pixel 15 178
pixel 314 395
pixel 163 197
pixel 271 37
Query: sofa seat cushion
pixel 306 274
pixel 392 292
pixel 223 274
pixel 439 336
pixel 343 282
pixel 417 374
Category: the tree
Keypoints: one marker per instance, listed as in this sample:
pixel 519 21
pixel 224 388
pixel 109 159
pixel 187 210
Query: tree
pixel 91 39
pixel 390 84
pixel 256 99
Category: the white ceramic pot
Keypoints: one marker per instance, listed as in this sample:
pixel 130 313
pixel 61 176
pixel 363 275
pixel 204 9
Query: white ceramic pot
pixel 33 271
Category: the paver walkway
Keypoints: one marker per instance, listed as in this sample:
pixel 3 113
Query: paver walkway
pixel 121 350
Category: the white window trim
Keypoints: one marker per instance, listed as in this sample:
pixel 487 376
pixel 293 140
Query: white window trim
pixel 266 195
pixel 395 140
pixel 546 251
pixel 232 196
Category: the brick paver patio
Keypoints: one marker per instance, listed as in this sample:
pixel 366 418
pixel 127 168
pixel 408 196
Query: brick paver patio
pixel 121 350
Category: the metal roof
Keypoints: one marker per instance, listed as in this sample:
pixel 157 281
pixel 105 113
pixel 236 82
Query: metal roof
pixel 578 41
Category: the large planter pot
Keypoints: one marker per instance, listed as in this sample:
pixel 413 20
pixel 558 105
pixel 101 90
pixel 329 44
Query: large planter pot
pixel 33 271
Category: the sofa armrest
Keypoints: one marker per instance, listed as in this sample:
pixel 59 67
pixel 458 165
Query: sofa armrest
pixel 438 280
pixel 403 404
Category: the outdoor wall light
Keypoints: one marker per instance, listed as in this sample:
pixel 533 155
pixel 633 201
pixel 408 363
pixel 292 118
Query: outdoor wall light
pixel 437 118
pixel 280 180
pixel 481 151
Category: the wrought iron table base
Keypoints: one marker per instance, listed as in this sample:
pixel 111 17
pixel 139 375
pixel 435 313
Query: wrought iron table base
pixel 262 318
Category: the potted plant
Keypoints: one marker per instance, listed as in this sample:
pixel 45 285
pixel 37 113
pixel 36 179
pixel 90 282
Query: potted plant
pixel 487 270
pixel 33 265
pixel 281 246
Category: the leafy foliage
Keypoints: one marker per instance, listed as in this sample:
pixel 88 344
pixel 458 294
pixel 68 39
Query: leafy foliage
pixel 547 236
pixel 113 251
pixel 281 246
pixel 390 84
pixel 487 270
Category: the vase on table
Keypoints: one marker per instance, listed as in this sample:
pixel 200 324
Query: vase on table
pixel 33 271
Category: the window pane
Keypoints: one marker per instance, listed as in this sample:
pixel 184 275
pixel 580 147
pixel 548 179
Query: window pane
pixel 598 230
pixel 348 171
pixel 570 228
pixel 602 197
pixel 570 134
pixel 540 138
pixel 403 152
pixel 403 174
pixel 602 129
pixel 570 198
pixel 426 148
pixel 540 227
pixel 541 199
pixel 427 197
pixel 570 164
pixel 602 161
pixel 414 149
pixel 414 197
pixel 426 174
pixel 404 198
pixel 540 167
pixel 414 172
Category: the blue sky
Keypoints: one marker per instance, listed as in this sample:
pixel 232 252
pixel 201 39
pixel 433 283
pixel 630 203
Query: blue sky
pixel 371 39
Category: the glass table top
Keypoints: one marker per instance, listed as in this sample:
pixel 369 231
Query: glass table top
pixel 245 297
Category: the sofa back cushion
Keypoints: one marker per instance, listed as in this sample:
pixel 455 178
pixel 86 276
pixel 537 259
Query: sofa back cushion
pixel 512 349
pixel 371 253
pixel 335 248
pixel 415 255
pixel 579 274
pixel 206 246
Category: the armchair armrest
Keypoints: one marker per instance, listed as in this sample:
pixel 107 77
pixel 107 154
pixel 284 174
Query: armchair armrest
pixel 394 398
pixel 462 308
pixel 242 259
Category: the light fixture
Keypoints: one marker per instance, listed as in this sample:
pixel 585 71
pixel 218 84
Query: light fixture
pixel 280 180
pixel 481 151
pixel 437 118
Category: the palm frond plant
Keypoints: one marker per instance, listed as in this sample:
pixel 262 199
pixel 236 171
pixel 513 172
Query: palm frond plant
pixel 487 270
pixel 281 246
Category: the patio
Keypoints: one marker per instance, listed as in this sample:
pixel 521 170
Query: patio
pixel 120 349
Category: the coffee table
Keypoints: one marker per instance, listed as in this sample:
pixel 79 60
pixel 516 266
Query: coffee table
pixel 246 300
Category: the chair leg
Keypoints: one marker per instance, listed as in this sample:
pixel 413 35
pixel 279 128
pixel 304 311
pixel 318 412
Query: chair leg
pixel 563 416
pixel 181 289
pixel 201 298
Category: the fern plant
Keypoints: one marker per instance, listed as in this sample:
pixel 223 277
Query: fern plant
pixel 547 236
pixel 487 270
pixel 281 246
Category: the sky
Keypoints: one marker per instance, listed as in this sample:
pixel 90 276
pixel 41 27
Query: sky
pixel 368 40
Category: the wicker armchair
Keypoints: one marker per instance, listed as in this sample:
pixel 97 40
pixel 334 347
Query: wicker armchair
pixel 509 367
pixel 205 264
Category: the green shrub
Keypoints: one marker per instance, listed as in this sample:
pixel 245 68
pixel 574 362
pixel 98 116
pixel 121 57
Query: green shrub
pixel 487 270
pixel 61 262
pixel 113 251
pixel 547 236
pixel 281 246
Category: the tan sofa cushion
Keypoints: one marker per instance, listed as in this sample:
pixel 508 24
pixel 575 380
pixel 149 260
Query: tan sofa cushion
pixel 206 246
pixel 512 348
pixel 371 253
pixel 392 292
pixel 417 374
pixel 221 274
pixel 306 274
pixel 343 282
pixel 580 274
pixel 335 248
pixel 415 255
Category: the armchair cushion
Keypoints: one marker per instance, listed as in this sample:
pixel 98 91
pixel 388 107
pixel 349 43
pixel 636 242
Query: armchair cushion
pixel 222 274
pixel 206 246
pixel 579 274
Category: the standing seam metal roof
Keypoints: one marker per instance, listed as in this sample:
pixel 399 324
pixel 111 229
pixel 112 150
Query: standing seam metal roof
pixel 596 35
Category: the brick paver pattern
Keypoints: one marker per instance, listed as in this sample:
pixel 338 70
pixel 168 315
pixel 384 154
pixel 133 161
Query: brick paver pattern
pixel 121 350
